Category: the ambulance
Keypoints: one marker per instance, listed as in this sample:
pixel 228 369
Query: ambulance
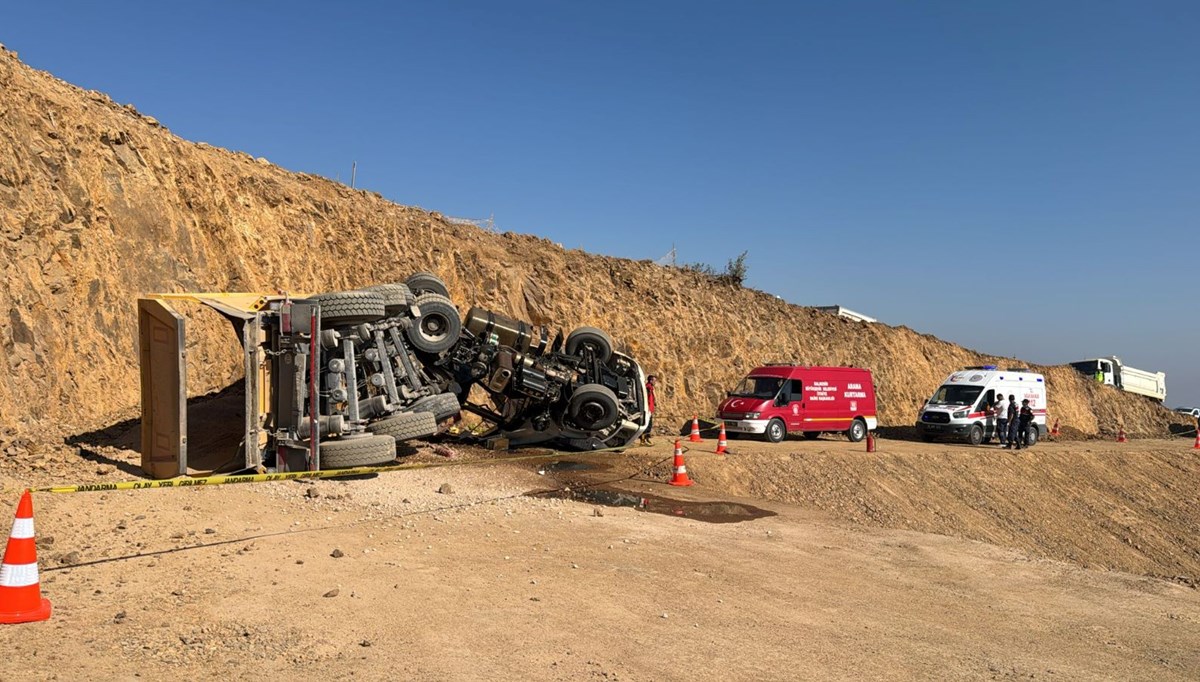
pixel 961 407
pixel 775 399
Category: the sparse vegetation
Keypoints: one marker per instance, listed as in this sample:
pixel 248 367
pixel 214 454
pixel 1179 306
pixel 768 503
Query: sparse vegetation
pixel 734 274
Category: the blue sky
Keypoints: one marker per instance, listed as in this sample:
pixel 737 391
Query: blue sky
pixel 1022 178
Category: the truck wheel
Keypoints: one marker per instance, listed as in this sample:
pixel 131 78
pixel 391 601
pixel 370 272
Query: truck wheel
pixel 975 434
pixel 357 451
pixel 405 426
pixel 776 430
pixel 599 342
pixel 348 308
pixel 812 435
pixel 857 431
pixel 438 327
pixel 593 407
pixel 1031 436
pixel 395 297
pixel 427 283
pixel 441 406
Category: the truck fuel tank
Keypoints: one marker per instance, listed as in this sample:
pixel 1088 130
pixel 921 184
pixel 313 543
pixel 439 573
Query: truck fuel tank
pixel 505 331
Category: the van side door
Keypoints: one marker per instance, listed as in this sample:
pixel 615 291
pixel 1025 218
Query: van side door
pixel 794 390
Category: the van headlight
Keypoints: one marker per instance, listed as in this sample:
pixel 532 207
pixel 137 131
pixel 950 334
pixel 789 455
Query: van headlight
pixel 752 415
pixel 961 414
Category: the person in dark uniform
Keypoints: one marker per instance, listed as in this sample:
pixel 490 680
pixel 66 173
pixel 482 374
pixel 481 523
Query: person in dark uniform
pixel 1024 423
pixel 1012 421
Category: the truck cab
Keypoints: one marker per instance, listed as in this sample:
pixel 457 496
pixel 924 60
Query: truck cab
pixel 775 399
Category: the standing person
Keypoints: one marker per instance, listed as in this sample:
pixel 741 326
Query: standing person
pixel 1001 412
pixel 1024 422
pixel 1012 421
pixel 651 382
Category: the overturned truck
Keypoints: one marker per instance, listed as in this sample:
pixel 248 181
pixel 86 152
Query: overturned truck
pixel 336 380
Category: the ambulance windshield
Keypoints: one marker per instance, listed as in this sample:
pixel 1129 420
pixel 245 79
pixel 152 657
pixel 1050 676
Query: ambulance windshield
pixel 956 394
pixel 758 387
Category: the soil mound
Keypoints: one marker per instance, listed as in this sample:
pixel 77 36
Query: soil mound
pixel 100 203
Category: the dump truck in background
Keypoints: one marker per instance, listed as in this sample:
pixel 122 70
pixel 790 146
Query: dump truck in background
pixel 1112 372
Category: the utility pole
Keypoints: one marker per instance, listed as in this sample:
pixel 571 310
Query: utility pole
pixel 353 172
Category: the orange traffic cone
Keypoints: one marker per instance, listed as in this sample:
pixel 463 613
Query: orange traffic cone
pixel 1197 445
pixel 20 592
pixel 1121 435
pixel 721 444
pixel 870 442
pixel 680 476
pixel 1054 431
pixel 695 437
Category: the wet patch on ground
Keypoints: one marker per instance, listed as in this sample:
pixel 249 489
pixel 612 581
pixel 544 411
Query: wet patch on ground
pixel 709 512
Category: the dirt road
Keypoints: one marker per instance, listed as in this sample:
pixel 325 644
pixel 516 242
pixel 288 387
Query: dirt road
pixel 386 578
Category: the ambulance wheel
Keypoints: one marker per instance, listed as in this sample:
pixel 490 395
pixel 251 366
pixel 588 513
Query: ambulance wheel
pixel 812 435
pixel 857 431
pixel 975 434
pixel 1031 436
pixel 776 430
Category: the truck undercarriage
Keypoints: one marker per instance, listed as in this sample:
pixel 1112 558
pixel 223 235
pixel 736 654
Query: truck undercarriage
pixel 335 380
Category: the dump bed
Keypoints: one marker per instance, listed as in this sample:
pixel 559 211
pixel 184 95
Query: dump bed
pixel 1150 384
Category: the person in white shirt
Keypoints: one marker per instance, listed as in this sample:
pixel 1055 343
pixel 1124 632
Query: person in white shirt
pixel 1001 412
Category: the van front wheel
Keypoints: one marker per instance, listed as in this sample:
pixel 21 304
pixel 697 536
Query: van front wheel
pixel 975 434
pixel 857 431
pixel 776 430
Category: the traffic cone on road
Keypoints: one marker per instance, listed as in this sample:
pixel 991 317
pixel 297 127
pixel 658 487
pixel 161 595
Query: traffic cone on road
pixel 1197 445
pixel 695 437
pixel 870 442
pixel 721 444
pixel 1121 435
pixel 20 592
pixel 1054 431
pixel 679 469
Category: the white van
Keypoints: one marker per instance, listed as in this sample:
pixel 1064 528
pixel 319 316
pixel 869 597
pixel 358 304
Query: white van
pixel 962 406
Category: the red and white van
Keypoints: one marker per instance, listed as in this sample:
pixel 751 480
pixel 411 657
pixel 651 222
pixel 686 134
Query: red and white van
pixel 776 399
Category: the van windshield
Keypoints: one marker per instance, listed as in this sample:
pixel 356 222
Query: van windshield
pixel 956 394
pixel 758 387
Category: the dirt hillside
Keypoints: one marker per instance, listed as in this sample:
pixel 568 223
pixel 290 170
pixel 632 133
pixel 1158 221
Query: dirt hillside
pixel 99 203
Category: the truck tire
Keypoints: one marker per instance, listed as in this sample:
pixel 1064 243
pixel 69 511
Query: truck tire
pixel 857 431
pixel 975 434
pixel 1031 436
pixel 593 407
pixel 395 297
pixel 405 426
pixel 441 406
pixel 438 327
pixel 599 342
pixel 357 451
pixel 348 308
pixel 427 283
pixel 776 431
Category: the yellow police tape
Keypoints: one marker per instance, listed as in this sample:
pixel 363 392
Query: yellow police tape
pixel 189 482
